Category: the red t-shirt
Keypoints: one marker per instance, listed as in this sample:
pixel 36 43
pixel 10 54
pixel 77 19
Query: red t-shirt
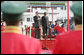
pixel 32 31
pixel 68 43
pixel 59 29
pixel 29 27
pixel 14 43
pixel 2 28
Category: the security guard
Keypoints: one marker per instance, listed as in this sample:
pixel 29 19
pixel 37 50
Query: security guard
pixel 12 40
pixel 71 42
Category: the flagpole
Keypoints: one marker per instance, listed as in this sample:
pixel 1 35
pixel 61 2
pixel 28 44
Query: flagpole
pixel 68 15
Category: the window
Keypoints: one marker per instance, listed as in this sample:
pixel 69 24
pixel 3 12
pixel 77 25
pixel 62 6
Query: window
pixel 31 19
pixel 55 8
pixel 28 19
pixel 65 7
pixel 35 8
pixel 61 8
pixel 43 8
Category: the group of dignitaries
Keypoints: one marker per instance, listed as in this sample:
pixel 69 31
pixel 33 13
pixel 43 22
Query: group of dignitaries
pixel 37 21
pixel 14 42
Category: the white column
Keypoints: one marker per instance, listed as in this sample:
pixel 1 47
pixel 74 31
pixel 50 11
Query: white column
pixel 30 20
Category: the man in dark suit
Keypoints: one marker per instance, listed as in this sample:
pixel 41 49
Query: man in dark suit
pixel 37 24
pixel 45 23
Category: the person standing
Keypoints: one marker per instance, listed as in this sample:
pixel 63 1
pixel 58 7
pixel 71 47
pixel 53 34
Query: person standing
pixel 55 23
pixel 21 25
pixel 2 26
pixel 12 40
pixel 37 25
pixel 45 23
pixel 71 42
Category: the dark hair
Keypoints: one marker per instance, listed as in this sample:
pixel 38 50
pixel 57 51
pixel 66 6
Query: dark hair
pixel 78 19
pixel 45 13
pixel 12 19
pixel 62 25
pixel 2 24
pixel 36 12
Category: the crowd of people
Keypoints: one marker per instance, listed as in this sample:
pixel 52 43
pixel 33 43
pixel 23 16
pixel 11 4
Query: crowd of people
pixel 14 42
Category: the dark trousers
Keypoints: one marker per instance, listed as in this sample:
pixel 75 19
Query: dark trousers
pixel 44 30
pixel 37 32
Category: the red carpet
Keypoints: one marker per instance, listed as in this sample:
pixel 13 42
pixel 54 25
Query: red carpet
pixel 49 43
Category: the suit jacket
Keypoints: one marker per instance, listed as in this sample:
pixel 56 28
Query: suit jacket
pixel 36 21
pixel 45 21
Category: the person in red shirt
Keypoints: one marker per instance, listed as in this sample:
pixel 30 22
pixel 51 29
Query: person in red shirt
pixel 32 30
pixel 71 42
pixel 28 29
pixel 12 40
pixel 2 27
pixel 33 33
pixel 59 29
pixel 64 29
